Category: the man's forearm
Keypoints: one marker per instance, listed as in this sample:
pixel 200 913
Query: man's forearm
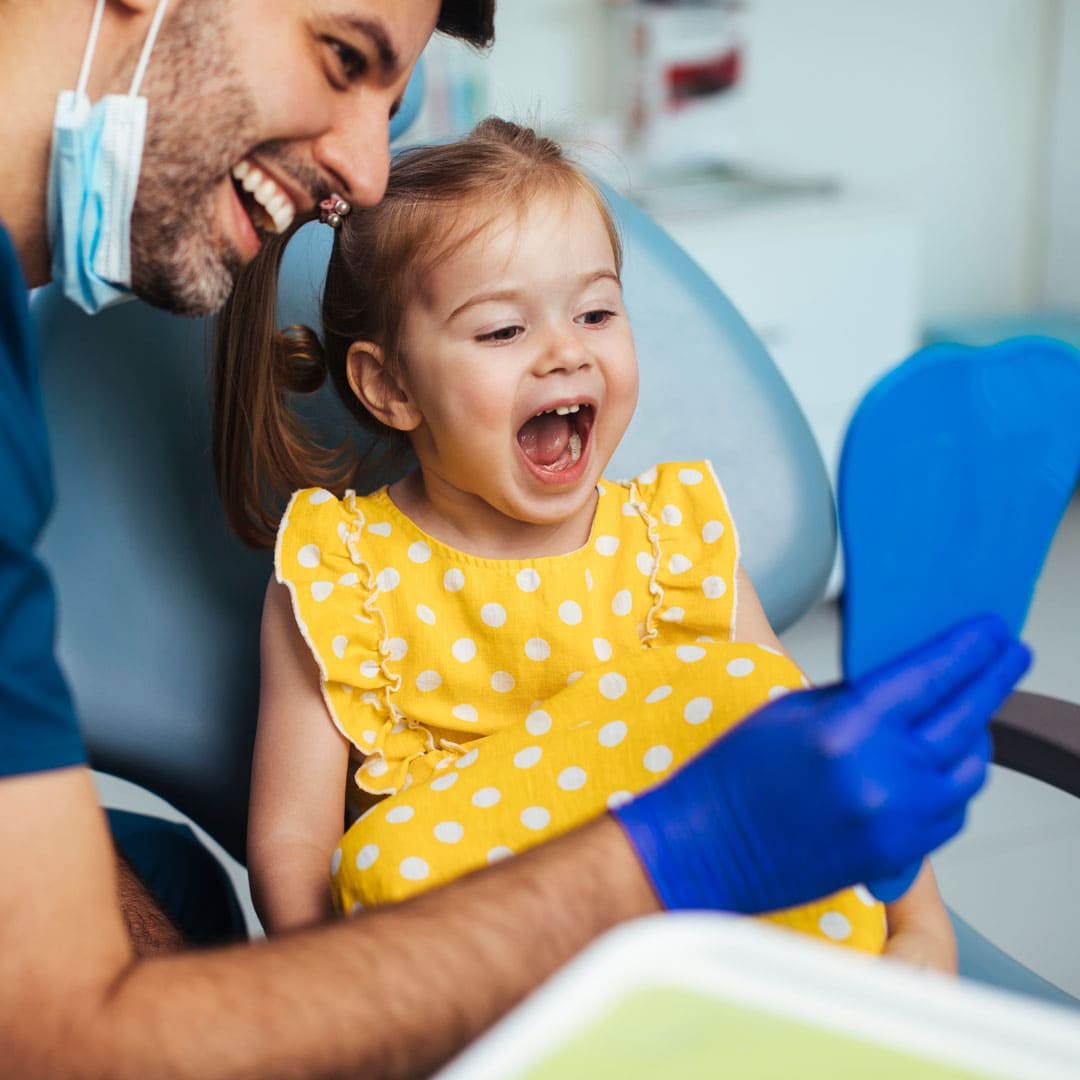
pixel 149 927
pixel 392 993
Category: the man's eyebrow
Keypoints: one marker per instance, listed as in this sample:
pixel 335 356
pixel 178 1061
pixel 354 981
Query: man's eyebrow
pixel 389 60
pixel 510 294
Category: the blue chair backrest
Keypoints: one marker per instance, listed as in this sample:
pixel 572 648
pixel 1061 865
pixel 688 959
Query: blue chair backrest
pixel 160 605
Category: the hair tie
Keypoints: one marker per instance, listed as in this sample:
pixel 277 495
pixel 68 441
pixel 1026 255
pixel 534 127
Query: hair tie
pixel 333 210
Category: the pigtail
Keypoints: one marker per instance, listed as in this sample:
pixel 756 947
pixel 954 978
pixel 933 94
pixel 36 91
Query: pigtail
pixel 262 451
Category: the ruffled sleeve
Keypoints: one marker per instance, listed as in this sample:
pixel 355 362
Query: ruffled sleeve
pixel 319 558
pixel 696 553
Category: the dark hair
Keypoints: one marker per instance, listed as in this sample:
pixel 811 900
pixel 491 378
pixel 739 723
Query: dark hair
pixel 471 20
pixel 262 449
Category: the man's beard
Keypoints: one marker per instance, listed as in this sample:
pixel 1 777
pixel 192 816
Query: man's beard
pixel 200 125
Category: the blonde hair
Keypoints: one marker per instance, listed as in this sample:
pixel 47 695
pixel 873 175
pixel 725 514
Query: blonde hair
pixel 381 255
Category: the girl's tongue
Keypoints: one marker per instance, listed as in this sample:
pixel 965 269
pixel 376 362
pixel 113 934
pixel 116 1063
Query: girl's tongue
pixel 550 440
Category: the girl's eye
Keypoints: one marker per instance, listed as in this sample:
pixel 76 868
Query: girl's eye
pixel 353 63
pixel 504 333
pixel 596 318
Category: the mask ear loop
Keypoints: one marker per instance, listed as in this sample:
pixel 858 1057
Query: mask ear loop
pixel 148 45
pixel 91 46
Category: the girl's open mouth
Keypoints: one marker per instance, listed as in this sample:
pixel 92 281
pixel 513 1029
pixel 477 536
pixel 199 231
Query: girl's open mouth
pixel 555 441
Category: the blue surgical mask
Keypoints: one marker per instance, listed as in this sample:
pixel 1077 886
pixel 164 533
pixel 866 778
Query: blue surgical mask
pixel 93 175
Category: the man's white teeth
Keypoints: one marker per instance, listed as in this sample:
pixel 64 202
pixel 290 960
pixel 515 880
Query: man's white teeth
pixel 262 188
pixel 575 446
pixel 562 410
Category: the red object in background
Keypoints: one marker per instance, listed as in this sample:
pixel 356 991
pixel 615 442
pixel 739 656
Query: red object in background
pixel 689 81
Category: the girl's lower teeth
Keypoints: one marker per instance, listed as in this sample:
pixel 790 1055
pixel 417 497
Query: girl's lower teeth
pixel 574 446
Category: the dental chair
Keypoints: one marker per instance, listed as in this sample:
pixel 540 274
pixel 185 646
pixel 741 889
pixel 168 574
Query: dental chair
pixel 160 605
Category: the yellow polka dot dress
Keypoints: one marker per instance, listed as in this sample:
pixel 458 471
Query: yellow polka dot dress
pixel 498 703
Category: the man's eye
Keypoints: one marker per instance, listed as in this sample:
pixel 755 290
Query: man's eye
pixel 354 63
pixel 504 333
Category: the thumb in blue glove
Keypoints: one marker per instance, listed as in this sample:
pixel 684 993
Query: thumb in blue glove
pixel 825 788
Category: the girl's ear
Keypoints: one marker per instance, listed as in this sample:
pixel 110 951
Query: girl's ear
pixel 378 390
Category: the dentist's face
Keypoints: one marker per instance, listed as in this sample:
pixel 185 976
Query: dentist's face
pixel 258 109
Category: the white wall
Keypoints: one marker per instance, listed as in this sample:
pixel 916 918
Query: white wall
pixel 941 105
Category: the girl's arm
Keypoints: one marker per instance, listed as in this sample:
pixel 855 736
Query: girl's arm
pixel 920 932
pixel 751 622
pixel 298 779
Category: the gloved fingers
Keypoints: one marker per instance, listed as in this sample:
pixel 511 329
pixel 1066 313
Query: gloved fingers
pixel 916 684
pixel 949 731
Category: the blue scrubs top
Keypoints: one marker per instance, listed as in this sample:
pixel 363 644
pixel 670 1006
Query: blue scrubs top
pixel 38 729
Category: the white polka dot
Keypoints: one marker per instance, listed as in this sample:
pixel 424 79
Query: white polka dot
pixel 572 779
pixel 493 614
pixel 648 476
pixel 463 650
pixel 863 895
pixel 466 713
pixel 618 798
pixel 612 685
pixel 369 736
pixel 535 817
pixel 690 476
pixel 629 509
pixel 673 614
pixel 611 734
pixel 607 545
pixel 317 498
pixel 689 654
pixel 425 614
pixel 419 552
pixel 485 797
pixel 397 727
pixel 740 667
pixel 698 710
pixel 343 532
pixel 428 680
pixel 388 580
pixel 396 648
pixel 712 531
pixel 527 758
pixel 538 723
pixel 400 814
pixel 658 694
pixel 466 760
pixel 357 906
pixel 335 861
pixel 441 783
pixel 502 682
pixel 714 587
pixel 366 856
pixel 528 580
pixel 588 580
pixel 308 556
pixel 570 613
pixel 671 515
pixel 453 580
pixel 369 669
pixel 537 649
pixel 602 648
pixel 380 528
pixel 369 697
pixel 497 853
pixel 834 925
pixel 449 832
pixel 320 590
pixel 778 692
pixel 414 869
pixel 348 580
pixel 573 677
pixel 600 489
pixel 376 766
pixel 644 562
pixel 623 602
pixel 679 564
pixel 338 645
pixel 657 759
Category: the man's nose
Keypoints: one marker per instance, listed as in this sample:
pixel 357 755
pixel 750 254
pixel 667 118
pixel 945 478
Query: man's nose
pixel 356 152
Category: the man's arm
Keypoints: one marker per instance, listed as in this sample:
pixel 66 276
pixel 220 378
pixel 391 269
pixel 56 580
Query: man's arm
pixel 390 993
pixel 149 928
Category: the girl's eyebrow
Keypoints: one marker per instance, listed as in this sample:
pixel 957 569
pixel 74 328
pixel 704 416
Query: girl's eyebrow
pixel 510 294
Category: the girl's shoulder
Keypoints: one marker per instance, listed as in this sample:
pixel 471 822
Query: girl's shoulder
pixel 674 491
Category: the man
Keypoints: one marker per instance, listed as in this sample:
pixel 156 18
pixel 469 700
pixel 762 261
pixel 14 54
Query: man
pixel 814 792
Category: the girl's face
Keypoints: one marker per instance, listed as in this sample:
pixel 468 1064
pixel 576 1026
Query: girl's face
pixel 520 360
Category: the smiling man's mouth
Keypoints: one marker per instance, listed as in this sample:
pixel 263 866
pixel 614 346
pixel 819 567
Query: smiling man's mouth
pixel 555 439
pixel 269 208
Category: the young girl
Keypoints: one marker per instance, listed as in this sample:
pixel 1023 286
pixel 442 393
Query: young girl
pixel 502 644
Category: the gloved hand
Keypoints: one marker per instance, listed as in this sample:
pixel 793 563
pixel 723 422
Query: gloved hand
pixel 825 788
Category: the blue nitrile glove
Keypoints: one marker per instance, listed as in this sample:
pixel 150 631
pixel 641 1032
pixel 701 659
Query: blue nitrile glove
pixel 825 788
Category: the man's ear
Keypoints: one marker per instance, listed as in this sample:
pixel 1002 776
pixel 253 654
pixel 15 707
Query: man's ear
pixel 378 390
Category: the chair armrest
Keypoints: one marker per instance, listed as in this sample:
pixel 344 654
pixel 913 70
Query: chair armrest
pixel 1040 737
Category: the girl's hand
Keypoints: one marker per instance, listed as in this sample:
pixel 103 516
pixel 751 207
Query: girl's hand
pixel 923 948
pixel 920 932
